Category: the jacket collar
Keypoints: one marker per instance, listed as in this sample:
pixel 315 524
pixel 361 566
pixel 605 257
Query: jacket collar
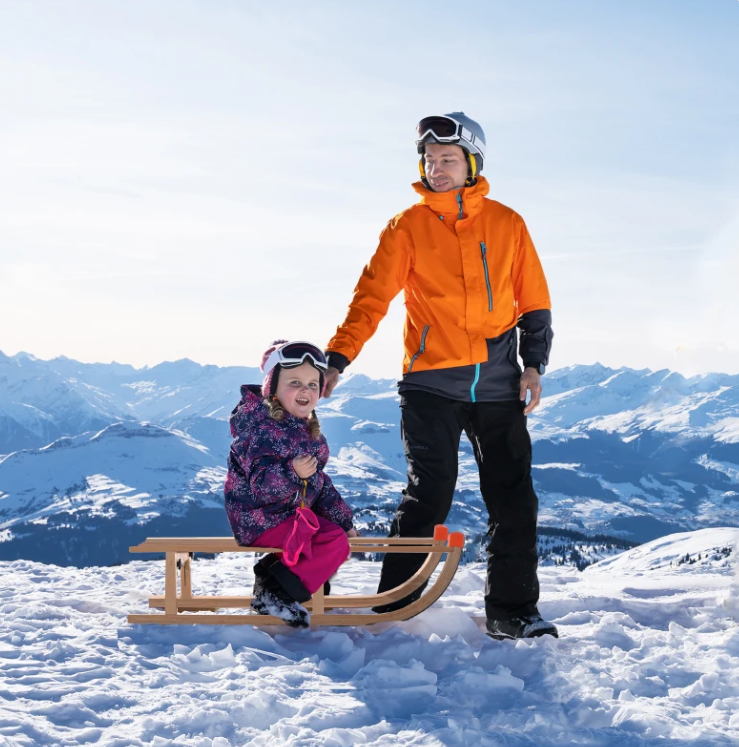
pixel 446 202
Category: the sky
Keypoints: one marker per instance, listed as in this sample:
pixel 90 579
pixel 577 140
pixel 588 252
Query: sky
pixel 197 178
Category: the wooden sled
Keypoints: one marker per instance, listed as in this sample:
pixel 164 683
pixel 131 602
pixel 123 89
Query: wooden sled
pixel 178 606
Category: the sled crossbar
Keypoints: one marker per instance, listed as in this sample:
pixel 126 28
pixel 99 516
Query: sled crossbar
pixel 181 607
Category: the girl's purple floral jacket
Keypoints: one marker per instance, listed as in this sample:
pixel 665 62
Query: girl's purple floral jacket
pixel 262 488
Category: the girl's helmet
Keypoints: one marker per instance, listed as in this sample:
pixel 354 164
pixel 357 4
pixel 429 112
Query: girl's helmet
pixel 284 354
pixel 458 129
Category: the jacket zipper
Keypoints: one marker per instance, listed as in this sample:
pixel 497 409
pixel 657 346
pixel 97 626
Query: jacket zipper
pixel 421 349
pixel 487 276
pixel 459 202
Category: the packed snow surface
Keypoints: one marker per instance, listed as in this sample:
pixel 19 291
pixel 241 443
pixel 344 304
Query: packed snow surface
pixel 648 655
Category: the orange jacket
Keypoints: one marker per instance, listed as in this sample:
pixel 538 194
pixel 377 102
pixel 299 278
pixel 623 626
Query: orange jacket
pixel 465 279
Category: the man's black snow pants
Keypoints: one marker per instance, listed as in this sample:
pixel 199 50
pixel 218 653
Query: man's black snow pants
pixel 431 427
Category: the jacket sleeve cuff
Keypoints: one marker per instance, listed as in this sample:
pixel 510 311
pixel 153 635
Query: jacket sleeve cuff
pixel 337 360
pixel 292 475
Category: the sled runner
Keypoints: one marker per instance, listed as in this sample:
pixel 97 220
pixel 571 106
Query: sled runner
pixel 179 605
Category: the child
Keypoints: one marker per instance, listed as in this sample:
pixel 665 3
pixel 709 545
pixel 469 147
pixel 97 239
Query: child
pixel 277 493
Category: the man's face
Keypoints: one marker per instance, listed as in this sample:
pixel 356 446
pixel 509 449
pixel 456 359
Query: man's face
pixel 446 167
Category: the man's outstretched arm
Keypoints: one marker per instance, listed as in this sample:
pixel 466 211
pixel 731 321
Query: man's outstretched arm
pixel 382 279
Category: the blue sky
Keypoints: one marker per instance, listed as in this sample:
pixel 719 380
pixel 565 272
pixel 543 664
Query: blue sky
pixel 194 179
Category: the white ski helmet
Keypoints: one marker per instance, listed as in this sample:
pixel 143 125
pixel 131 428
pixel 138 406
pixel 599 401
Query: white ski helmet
pixel 458 129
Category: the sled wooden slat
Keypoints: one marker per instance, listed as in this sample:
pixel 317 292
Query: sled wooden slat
pixel 196 544
pixel 318 602
pixel 170 584
pixel 184 560
pixel 188 609
pixel 393 541
pixel 228 544
pixel 330 602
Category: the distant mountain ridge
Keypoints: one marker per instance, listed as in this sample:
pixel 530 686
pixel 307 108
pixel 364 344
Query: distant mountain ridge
pixel 104 454
pixel 44 400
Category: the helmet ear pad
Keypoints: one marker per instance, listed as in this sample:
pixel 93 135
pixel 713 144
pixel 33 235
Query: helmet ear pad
pixel 474 167
pixel 422 170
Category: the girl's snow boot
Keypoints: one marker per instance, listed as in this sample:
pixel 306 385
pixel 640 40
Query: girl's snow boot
pixel 271 599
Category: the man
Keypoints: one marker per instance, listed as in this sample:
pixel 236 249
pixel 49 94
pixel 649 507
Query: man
pixel 470 276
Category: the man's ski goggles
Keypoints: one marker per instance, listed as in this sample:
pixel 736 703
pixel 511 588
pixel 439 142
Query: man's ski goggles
pixel 293 354
pixel 444 129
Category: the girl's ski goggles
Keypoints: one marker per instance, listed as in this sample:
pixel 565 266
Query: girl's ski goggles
pixel 444 129
pixel 293 354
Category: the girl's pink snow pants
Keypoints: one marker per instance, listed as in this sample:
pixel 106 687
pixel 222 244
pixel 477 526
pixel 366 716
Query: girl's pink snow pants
pixel 330 548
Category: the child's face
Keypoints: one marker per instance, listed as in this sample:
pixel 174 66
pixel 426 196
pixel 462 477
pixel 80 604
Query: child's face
pixel 298 389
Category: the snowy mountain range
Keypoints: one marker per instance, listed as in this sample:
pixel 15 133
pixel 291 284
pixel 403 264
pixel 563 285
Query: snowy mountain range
pixel 98 456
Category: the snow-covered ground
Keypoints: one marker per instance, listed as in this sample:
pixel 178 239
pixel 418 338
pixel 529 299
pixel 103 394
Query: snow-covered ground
pixel 649 655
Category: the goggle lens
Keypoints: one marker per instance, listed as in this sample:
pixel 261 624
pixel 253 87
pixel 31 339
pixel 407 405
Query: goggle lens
pixel 294 354
pixel 298 350
pixel 440 127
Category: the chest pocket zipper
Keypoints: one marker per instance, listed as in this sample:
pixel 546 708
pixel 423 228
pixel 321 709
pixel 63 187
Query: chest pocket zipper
pixel 421 349
pixel 484 250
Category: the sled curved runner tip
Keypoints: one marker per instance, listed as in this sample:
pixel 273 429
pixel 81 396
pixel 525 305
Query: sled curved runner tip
pixel 179 607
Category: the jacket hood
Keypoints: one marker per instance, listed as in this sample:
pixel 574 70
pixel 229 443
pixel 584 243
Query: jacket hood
pixel 251 406
pixel 446 202
pixel 251 396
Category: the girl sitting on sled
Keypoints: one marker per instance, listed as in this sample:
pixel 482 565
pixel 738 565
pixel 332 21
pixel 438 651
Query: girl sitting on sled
pixel 277 493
